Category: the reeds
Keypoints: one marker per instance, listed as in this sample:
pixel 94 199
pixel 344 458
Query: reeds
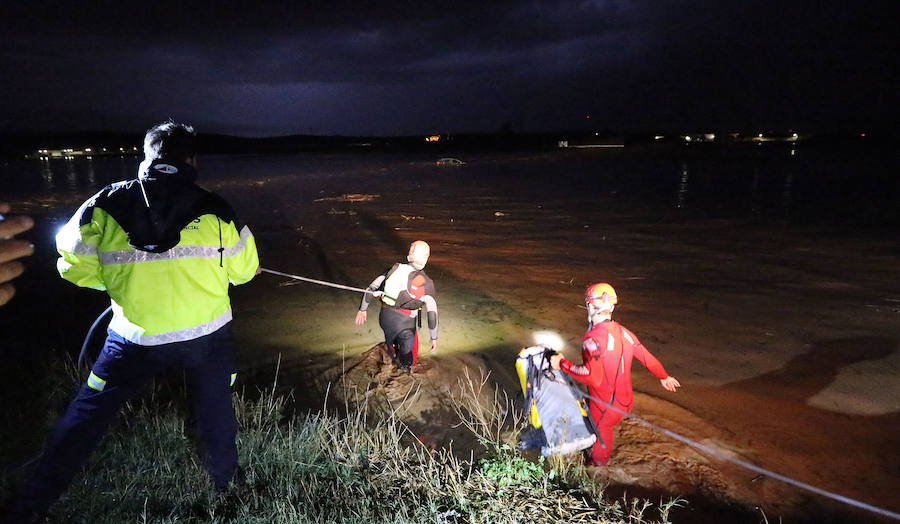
pixel 323 467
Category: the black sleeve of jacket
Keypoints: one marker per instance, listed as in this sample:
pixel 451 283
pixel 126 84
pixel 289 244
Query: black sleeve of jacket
pixel 431 308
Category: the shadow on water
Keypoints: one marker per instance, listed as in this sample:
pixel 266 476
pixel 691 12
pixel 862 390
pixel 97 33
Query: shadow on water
pixel 809 373
pixel 841 438
pixel 274 236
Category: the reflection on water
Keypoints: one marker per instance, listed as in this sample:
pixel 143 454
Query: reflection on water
pixel 754 193
pixel 91 175
pixel 126 168
pixel 766 184
pixel 681 199
pixel 71 175
pixel 46 174
pixel 786 197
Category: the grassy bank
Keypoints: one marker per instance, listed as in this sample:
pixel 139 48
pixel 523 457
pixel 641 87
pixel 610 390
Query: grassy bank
pixel 346 465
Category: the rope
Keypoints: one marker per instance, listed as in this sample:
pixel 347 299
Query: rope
pixel 744 464
pixel 694 444
pixel 87 337
pixel 319 282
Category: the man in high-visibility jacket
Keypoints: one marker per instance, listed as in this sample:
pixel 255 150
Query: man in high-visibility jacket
pixel 607 352
pixel 165 250
pixel 405 289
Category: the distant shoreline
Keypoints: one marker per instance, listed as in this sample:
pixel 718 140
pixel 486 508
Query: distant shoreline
pixel 71 145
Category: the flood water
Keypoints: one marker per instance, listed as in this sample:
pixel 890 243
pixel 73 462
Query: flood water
pixel 765 278
pixel 768 183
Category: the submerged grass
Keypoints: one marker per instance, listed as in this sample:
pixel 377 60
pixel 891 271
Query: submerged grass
pixel 327 467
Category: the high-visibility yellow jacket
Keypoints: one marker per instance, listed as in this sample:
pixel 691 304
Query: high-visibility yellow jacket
pixel 166 266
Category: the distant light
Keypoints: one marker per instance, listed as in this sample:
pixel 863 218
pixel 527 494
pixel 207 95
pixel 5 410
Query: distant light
pixel 687 138
pixel 710 136
pixel 793 152
pixel 87 150
pixel 862 134
pixel 658 137
pixel 760 135
pixel 121 149
pixel 588 117
pixel 794 135
pixel 549 339
pixel 134 149
pixel 433 138
pixel 596 134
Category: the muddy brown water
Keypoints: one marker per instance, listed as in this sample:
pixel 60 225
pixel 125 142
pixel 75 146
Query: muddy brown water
pixel 784 333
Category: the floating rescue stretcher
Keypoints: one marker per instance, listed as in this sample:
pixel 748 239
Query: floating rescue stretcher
pixel 560 420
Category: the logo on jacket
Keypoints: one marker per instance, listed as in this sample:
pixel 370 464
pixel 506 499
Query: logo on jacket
pixel 166 168
pixel 415 287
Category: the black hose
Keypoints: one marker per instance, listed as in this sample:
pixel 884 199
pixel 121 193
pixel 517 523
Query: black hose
pixel 90 333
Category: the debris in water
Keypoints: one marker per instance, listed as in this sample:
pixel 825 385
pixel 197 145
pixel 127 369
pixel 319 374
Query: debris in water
pixel 349 197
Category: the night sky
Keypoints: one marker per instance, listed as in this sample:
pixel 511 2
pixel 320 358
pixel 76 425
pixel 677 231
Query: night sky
pixel 395 68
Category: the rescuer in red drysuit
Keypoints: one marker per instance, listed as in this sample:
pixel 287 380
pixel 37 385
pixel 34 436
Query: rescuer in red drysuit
pixel 607 351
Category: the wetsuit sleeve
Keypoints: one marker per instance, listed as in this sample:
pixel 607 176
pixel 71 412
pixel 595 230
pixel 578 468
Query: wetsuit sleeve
pixel 77 243
pixel 431 309
pixel 240 257
pixel 644 356
pixel 582 374
pixel 368 295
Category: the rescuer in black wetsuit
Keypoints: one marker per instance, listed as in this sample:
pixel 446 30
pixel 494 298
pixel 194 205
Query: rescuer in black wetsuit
pixel 405 289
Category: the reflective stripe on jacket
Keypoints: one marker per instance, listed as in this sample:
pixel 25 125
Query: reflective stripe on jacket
pixel 174 295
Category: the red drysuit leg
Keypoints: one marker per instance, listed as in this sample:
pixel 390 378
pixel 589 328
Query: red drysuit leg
pixel 605 419
pixel 415 350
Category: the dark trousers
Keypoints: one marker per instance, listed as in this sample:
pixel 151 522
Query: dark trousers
pixel 400 335
pixel 122 370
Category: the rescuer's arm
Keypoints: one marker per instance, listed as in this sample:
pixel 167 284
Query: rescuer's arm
pixel 240 257
pixel 361 315
pixel 77 244
pixel 650 362
pixel 582 374
pixel 670 383
pixel 432 312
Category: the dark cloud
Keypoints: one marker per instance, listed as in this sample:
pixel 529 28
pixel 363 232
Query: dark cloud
pixel 414 67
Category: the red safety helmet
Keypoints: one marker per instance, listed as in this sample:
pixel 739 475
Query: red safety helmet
pixel 599 294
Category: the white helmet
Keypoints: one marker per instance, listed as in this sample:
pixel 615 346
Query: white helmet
pixel 419 251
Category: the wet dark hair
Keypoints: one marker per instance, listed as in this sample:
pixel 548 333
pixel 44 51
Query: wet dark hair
pixel 170 141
